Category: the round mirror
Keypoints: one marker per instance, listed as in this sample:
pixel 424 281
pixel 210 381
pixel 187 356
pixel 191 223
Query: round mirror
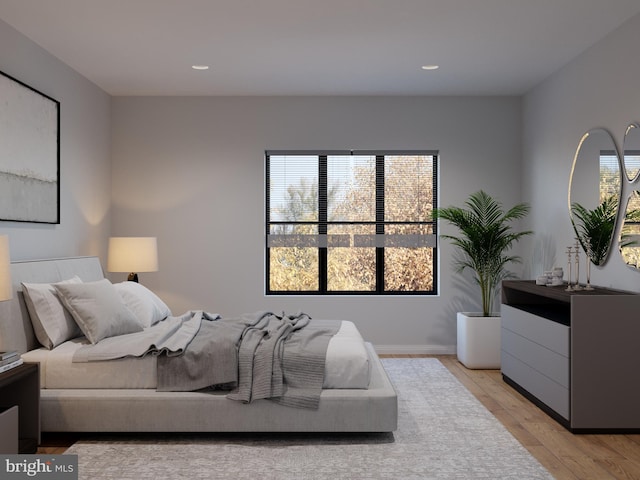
pixel 632 151
pixel 594 193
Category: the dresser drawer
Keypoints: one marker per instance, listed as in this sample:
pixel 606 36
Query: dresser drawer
pixel 551 335
pixel 542 387
pixel 547 362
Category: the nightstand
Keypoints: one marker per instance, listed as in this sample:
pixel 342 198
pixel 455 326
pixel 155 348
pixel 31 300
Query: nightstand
pixel 20 387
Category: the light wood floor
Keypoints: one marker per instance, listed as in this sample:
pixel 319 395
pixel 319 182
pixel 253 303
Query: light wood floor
pixel 565 455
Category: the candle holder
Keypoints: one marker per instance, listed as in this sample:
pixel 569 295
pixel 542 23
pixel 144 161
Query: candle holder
pixel 588 285
pixel 569 287
pixel 577 286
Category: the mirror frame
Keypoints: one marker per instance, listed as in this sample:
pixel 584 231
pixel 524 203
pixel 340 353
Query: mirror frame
pixel 635 128
pixel 602 210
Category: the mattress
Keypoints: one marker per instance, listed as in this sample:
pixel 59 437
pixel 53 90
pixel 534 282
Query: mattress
pixel 347 366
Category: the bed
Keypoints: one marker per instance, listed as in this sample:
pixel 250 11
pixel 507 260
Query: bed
pixel 77 397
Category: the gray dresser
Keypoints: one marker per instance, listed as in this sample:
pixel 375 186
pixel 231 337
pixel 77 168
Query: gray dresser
pixel 575 354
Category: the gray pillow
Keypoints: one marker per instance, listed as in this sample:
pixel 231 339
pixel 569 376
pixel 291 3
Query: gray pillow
pixel 98 309
pixel 52 323
pixel 145 304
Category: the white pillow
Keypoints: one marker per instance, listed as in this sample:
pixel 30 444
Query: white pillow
pixel 98 309
pixel 145 304
pixel 52 323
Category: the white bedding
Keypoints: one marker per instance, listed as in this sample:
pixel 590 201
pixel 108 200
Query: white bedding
pixel 347 366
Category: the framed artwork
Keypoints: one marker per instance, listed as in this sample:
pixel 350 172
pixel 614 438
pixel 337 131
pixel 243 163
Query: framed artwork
pixel 29 154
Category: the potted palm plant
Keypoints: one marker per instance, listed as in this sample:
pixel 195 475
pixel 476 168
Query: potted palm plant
pixel 485 236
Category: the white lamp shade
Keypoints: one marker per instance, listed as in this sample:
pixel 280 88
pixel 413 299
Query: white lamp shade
pixel 6 290
pixel 132 254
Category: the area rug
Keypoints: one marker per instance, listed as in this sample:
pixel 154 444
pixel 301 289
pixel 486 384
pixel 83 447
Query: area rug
pixel 444 432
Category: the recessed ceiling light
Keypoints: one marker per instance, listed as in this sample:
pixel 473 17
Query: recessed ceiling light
pixel 200 67
pixel 430 67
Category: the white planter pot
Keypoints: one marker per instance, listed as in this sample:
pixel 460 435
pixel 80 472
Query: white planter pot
pixel 479 340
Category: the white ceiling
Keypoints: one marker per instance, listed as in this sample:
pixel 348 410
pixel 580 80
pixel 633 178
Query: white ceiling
pixel 316 47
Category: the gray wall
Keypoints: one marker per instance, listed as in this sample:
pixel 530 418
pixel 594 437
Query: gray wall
pixel 190 171
pixel 85 167
pixel 600 88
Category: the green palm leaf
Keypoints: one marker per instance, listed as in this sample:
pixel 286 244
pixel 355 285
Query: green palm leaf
pixel 485 236
pixel 595 227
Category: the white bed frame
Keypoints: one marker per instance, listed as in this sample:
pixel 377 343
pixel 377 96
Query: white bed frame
pixel 119 410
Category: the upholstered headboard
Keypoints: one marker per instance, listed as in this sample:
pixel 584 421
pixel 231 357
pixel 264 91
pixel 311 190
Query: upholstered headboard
pixel 16 332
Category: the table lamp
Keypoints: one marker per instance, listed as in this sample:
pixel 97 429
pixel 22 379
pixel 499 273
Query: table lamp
pixel 6 290
pixel 132 254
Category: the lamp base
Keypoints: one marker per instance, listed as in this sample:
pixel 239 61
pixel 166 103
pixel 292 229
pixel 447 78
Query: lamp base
pixel 133 277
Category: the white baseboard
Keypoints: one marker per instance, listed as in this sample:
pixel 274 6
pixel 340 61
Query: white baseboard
pixel 415 349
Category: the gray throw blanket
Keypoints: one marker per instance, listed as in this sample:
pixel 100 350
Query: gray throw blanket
pixel 303 364
pixel 262 355
pixel 210 359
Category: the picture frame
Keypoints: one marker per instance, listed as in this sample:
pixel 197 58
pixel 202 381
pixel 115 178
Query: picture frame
pixel 29 154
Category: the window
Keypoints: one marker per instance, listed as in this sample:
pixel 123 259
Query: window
pixel 351 223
